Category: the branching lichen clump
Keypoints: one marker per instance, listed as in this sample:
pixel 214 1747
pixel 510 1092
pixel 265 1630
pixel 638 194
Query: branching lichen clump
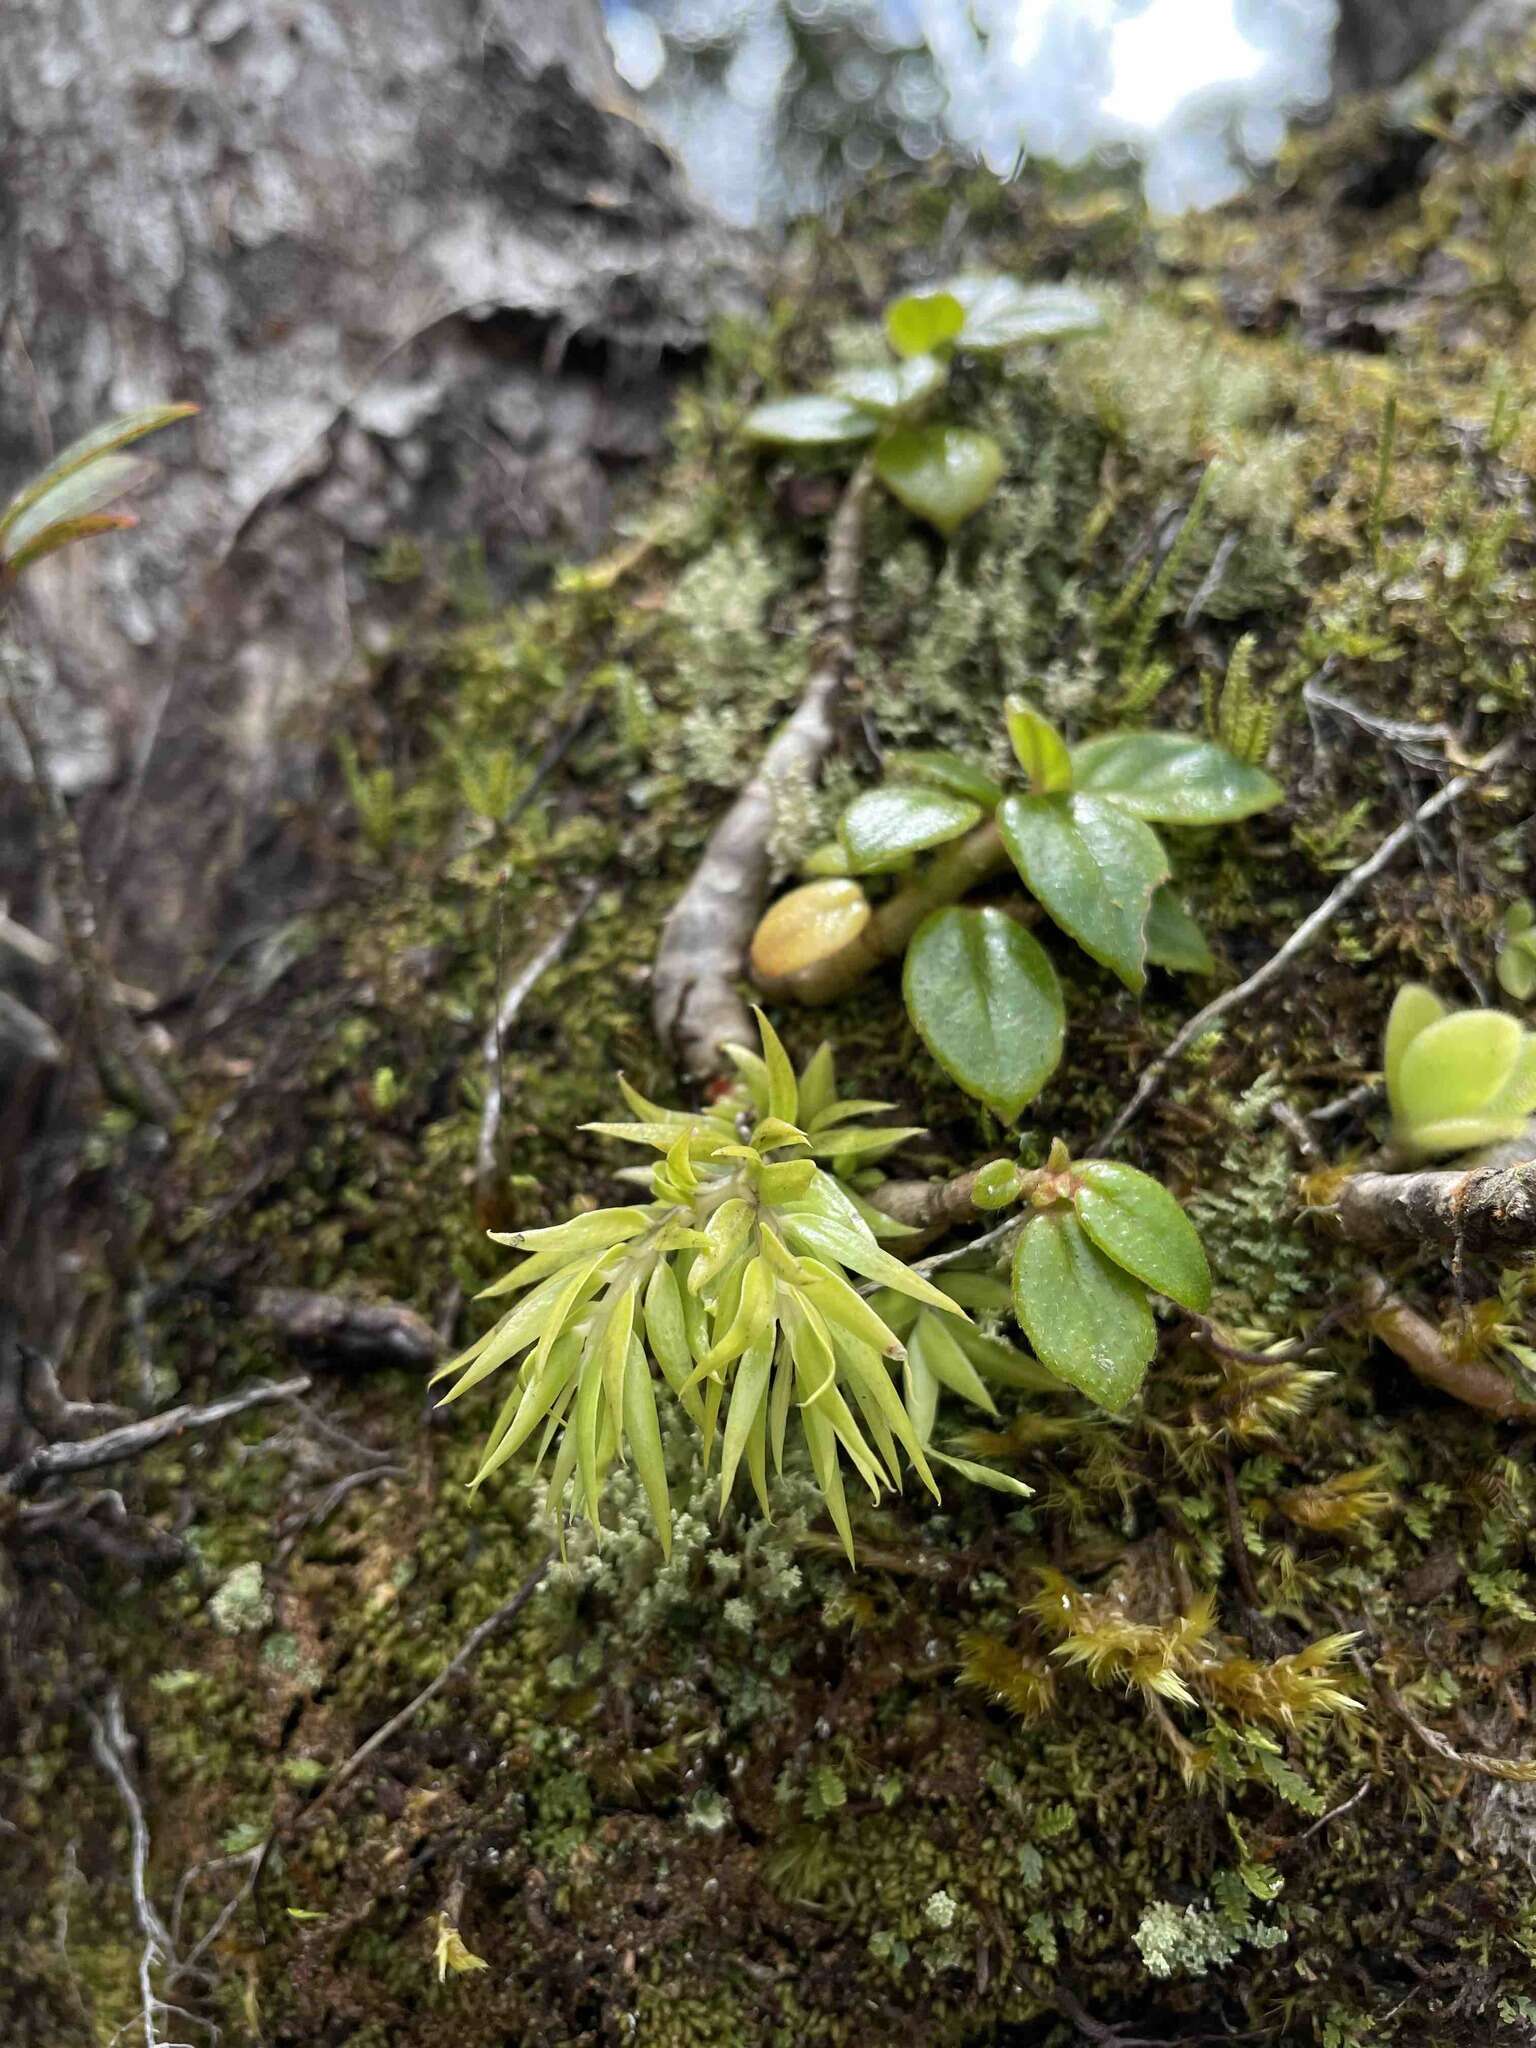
pixel 737 1280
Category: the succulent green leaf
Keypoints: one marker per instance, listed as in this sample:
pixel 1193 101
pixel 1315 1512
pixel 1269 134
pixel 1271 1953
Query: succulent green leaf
pixel 1174 940
pixel 1174 780
pixel 1138 1224
pixel 73 502
pixel 985 1475
pixel 1414 1009
pixel 1000 312
pixel 1086 1318
pixel 892 388
pixel 943 474
pixel 987 1004
pixel 1515 966
pixel 726 1234
pixel 749 1395
pixel 642 1431
pixel 1455 1067
pixel 1038 747
pixel 938 1351
pixel 886 826
pixel 922 322
pixel 1093 867
pixel 939 769
pixel 813 420
pixel 783 1088
pixel 667 1334
pixel 844 1244
pixel 818 1085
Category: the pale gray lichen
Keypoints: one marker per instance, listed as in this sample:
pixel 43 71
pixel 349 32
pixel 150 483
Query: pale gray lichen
pixel 242 1603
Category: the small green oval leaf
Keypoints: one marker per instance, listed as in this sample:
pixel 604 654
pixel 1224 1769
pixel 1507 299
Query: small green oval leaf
pixel 1414 1009
pixel 1137 1223
pixel 1038 747
pixel 922 322
pixel 891 388
pixel 1515 967
pixel 812 421
pixel 943 474
pixel 1001 312
pixel 1086 1318
pixel 1174 940
pixel 941 770
pixel 1174 780
pixel 886 826
pixel 987 1004
pixel 1093 867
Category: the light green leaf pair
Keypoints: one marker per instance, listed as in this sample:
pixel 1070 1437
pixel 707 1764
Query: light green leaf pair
pixel 66 502
pixel 1456 1079
pixel 984 315
pixel 1081 1278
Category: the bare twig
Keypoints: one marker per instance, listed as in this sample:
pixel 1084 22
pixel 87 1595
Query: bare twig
pixel 463 1655
pixel 126 1070
pixel 1327 1819
pixel 1303 937
pixel 41 952
pixel 52 1461
pixel 1512 1770
pixel 33 1037
pixel 702 952
pixel 1487 1210
pixel 364 1332
pixel 1416 1341
pixel 109 1746
pixel 510 1001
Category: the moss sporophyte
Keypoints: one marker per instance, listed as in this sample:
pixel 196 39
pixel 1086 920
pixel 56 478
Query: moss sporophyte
pixel 746 1281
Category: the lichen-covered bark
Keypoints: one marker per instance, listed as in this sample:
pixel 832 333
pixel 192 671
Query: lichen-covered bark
pixel 1093 1761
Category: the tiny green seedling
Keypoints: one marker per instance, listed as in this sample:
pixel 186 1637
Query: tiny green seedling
pixel 1456 1079
pixel 941 470
pixel 739 1280
pixel 1102 1239
pixel 980 989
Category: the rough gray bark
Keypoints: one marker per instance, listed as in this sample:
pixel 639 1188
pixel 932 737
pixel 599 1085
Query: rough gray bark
pixel 1489 1210
pixel 420 269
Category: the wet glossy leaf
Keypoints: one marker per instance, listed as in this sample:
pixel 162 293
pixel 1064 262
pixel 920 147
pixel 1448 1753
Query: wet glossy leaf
pixel 943 474
pixel 811 421
pixel 891 388
pixel 1038 747
pixel 923 321
pixel 1174 940
pixel 1093 867
pixel 1001 312
pixel 1173 780
pixel 987 1004
pixel 941 770
pixel 886 826
pixel 1137 1223
pixel 1086 1318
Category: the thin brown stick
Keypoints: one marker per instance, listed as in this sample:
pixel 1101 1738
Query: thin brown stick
pixel 508 1005
pixel 463 1655
pixel 53 1461
pixel 1310 929
pixel 702 952
pixel 127 1072
pixel 1416 1341
pixel 1487 1210
pixel 1511 1770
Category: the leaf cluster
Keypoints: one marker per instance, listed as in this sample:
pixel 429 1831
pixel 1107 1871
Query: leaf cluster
pixel 739 1283
pixel 939 469
pixel 980 989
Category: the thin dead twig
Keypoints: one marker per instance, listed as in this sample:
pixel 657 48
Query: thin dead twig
pixel 126 1070
pixel 1310 929
pixel 464 1654
pixel 1416 1341
pixel 509 1003
pixel 1485 1210
pixel 702 952
pixel 52 1461
pixel 1511 1770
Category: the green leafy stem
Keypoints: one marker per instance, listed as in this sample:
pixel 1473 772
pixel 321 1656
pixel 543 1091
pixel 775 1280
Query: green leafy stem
pixel 981 989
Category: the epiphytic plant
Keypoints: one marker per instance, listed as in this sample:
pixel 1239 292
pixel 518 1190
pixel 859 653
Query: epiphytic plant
pixel 1455 1078
pixel 939 469
pixel 738 1279
pixel 980 988
pixel 67 501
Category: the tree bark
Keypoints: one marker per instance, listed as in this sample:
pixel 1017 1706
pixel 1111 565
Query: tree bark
pixel 422 271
